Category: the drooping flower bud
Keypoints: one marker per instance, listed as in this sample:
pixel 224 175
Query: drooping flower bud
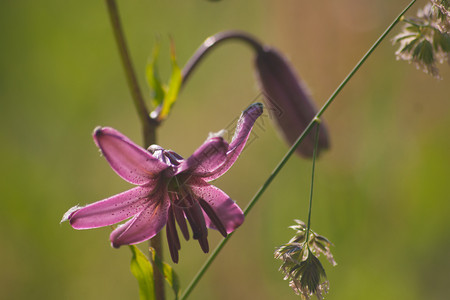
pixel 288 101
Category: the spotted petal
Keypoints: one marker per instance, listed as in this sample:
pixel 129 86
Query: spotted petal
pixel 131 162
pixel 243 129
pixel 110 211
pixel 206 158
pixel 227 211
pixel 144 225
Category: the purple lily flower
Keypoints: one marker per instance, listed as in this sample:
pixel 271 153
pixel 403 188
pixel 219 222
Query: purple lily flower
pixel 169 189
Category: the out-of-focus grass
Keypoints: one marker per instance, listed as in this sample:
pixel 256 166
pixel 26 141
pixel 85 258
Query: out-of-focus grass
pixel 381 191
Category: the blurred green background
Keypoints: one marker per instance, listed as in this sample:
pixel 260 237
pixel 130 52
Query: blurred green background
pixel 381 193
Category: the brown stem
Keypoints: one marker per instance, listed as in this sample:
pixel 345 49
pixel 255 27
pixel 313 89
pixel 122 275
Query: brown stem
pixel 212 42
pixel 149 125
pixel 158 277
pixel 130 75
pixel 156 241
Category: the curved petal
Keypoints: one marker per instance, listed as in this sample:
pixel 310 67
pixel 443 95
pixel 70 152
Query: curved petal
pixel 144 225
pixel 206 158
pixel 229 213
pixel 110 211
pixel 131 162
pixel 243 129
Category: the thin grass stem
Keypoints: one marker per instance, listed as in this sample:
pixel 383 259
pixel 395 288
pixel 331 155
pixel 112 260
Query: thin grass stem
pixel 316 143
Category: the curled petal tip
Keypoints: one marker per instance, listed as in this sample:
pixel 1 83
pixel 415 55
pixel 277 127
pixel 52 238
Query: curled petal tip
pixel 255 110
pixel 68 215
pixel 98 131
pixel 258 106
pixel 241 135
pixel 114 245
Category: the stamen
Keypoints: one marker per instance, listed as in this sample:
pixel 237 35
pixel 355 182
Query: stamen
pixel 213 216
pixel 188 204
pixel 185 205
pixel 191 219
pixel 172 236
pixel 177 201
pixel 203 241
pixel 181 220
pixel 198 218
pixel 174 228
pixel 198 214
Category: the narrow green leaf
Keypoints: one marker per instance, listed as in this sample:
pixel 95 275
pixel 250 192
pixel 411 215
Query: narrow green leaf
pixel 444 42
pixel 324 239
pixel 409 46
pixel 300 237
pixel 143 271
pixel 169 274
pixel 426 53
pixel 417 50
pixel 413 28
pixel 173 88
pixel 151 72
pixel 405 37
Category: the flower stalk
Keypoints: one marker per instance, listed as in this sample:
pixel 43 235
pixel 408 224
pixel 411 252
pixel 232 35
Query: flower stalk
pixel 301 267
pixel 212 42
pixel 316 139
pixel 130 74
pixel 148 124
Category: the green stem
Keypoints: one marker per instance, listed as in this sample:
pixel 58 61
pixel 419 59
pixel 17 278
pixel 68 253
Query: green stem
pixel 155 242
pixel 316 143
pixel 421 26
pixel 158 276
pixel 149 125
pixel 291 151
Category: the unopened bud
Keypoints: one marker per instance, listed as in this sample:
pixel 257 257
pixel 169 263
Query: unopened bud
pixel 288 101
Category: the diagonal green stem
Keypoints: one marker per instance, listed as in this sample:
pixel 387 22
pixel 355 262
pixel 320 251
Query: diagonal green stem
pixel 284 160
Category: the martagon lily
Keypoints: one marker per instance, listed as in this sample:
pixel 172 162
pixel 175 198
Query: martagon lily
pixel 169 189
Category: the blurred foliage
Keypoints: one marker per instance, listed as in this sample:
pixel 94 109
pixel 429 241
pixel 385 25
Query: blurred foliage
pixel 381 192
pixel 142 269
pixel 163 96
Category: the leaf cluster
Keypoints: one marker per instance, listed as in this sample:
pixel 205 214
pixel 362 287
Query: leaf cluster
pixel 163 96
pixel 425 39
pixel 142 269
